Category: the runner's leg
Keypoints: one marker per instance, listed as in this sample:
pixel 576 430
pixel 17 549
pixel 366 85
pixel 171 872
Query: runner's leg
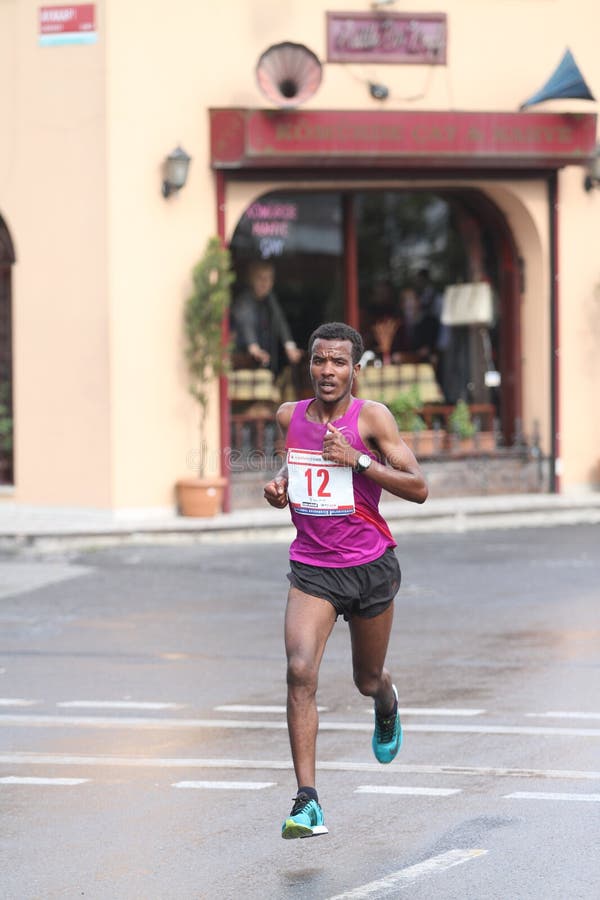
pixel 370 639
pixel 308 624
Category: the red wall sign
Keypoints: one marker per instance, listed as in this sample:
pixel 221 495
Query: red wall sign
pixel 257 138
pixel 387 38
pixel 73 24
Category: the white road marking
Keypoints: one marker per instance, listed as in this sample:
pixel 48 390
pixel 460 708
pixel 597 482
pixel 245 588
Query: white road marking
pixel 17 701
pixel 245 708
pixel 532 795
pixel 58 721
pixel 434 711
pixel 116 704
pixel 21 577
pixel 46 721
pixel 22 758
pixel 275 708
pixel 226 785
pixel 34 759
pixel 564 715
pixel 407 791
pixel 59 782
pixel 504 729
pixel 405 877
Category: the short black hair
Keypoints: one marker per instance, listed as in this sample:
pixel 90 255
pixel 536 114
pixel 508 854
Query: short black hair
pixel 338 331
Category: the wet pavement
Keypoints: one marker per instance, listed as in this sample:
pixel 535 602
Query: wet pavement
pixel 143 749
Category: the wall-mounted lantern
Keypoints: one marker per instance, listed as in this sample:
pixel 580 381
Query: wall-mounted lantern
pixel 177 164
pixel 592 177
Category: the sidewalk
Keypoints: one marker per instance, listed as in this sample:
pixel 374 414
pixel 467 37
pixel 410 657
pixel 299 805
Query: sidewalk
pixel 48 528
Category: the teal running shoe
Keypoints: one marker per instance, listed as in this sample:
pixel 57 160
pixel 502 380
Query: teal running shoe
pixel 387 737
pixel 305 819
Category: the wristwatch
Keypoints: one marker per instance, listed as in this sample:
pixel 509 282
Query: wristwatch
pixel 362 463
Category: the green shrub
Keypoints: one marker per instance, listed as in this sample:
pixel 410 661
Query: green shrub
pixel 405 409
pixel 205 308
pixel 460 421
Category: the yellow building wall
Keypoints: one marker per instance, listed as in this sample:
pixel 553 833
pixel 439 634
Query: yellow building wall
pixel 579 328
pixel 102 414
pixel 159 90
pixel 53 200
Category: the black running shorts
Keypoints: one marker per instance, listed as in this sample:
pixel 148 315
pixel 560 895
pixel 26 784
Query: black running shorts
pixel 365 590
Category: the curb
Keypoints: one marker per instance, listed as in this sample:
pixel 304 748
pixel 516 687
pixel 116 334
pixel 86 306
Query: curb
pixel 48 530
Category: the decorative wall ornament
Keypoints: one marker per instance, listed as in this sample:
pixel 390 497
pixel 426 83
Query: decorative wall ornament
pixel 288 74
pixel 566 82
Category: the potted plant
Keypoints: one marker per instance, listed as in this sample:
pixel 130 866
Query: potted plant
pixel 206 358
pixel 464 434
pixel 6 435
pixel 406 407
pixel 460 421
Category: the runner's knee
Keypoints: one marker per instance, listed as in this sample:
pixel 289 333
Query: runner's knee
pixel 301 672
pixel 367 681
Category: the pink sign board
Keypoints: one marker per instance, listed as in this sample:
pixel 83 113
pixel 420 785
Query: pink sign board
pixel 418 38
pixel 67 24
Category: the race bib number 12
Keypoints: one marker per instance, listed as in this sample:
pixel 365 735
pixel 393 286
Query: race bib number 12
pixel 317 486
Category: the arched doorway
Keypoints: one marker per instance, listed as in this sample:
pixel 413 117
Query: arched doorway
pixel 7 258
pixel 348 254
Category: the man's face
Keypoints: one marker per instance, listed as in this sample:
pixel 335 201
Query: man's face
pixel 332 370
pixel 262 282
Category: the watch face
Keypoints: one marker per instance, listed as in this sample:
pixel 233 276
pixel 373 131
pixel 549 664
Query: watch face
pixel 364 461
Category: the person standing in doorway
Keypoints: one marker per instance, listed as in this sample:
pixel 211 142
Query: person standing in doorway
pixel 260 326
pixel 341 452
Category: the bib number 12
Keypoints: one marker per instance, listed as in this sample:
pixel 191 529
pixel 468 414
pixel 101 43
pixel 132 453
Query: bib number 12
pixel 321 475
pixel 317 487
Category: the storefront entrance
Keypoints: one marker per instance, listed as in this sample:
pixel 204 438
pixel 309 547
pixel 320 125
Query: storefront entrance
pixel 382 259
pixel 375 214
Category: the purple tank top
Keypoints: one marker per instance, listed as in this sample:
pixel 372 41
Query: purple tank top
pixel 336 541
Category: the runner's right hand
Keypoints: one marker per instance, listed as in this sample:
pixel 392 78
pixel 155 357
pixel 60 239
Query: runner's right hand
pixel 275 492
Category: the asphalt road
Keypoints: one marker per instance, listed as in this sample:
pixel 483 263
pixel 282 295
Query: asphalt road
pixel 143 750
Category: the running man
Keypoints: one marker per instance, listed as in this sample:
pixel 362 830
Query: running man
pixel 341 452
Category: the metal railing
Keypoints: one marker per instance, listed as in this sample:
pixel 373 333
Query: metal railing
pixel 256 444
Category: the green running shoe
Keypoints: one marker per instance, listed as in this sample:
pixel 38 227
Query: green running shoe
pixel 387 737
pixel 305 819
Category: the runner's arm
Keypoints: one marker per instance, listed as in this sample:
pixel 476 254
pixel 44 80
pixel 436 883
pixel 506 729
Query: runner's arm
pixel 378 430
pixel 402 475
pixel 275 491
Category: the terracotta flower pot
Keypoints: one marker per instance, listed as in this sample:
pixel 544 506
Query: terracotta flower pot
pixel 424 443
pixel 200 497
pixel 483 442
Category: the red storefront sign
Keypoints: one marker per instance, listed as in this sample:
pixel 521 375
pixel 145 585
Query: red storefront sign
pixel 255 138
pixel 387 38
pixel 73 24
